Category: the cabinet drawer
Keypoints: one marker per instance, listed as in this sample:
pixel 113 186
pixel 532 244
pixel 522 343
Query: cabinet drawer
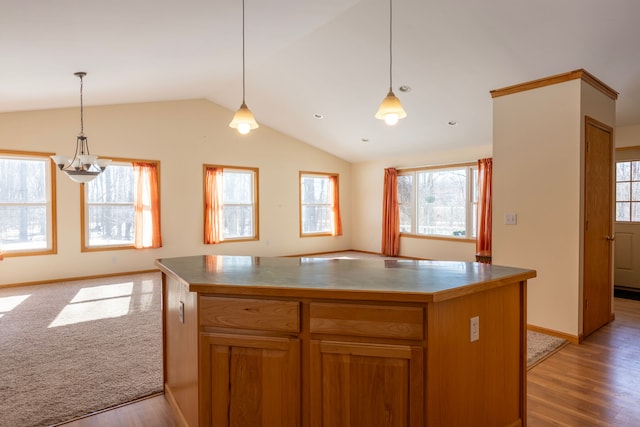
pixel 378 321
pixel 254 314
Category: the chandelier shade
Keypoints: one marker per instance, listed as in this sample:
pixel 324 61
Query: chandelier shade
pixel 391 109
pixel 83 166
pixel 243 120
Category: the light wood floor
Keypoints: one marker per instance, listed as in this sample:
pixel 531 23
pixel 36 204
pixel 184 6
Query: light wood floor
pixel 596 383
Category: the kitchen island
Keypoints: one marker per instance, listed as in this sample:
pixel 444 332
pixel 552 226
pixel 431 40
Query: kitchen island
pixel 256 341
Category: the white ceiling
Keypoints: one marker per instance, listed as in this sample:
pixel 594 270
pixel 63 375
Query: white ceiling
pixel 328 57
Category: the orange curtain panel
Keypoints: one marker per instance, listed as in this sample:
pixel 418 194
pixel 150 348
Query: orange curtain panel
pixel 483 238
pixel 390 214
pixel 147 206
pixel 212 225
pixel 335 207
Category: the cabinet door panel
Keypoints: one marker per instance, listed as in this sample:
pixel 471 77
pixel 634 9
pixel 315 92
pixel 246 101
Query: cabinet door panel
pixel 356 384
pixel 249 381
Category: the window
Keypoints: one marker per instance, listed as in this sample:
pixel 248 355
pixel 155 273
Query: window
pixel 319 204
pixel 27 204
pixel 231 203
pixel 628 191
pixel 118 207
pixel 439 201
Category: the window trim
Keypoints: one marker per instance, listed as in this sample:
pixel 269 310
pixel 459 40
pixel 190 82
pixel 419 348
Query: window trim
pixel 256 200
pixel 53 214
pixel 630 181
pixel 83 212
pixel 469 201
pixel 327 175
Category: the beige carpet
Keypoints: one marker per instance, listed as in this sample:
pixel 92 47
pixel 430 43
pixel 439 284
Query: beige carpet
pixel 73 348
pixel 540 346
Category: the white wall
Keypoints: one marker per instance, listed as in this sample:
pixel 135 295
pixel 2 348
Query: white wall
pixel 627 136
pixel 182 135
pixel 367 186
pixel 538 163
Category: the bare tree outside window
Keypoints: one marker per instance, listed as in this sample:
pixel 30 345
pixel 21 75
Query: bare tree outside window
pixel 25 204
pixel 315 204
pixel 438 201
pixel 110 204
pixel 628 191
pixel 238 201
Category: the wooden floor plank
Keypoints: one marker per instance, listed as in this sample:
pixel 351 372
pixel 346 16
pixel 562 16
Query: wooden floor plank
pixel 592 384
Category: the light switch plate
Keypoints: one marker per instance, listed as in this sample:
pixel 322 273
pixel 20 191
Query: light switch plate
pixel 510 218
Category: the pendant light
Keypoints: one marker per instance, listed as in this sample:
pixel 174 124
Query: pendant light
pixel 390 109
pixel 243 120
pixel 83 167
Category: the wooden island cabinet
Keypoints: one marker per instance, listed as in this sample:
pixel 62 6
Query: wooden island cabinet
pixel 255 341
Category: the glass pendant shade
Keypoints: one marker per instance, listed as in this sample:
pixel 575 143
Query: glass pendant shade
pixel 390 109
pixel 83 166
pixel 243 120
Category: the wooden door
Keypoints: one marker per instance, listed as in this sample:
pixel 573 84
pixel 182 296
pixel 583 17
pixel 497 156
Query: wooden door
pixel 248 381
pixel 368 385
pixel 598 226
pixel 627 227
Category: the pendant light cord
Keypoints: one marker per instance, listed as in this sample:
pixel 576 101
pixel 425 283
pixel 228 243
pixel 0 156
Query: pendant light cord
pixel 243 71
pixel 390 45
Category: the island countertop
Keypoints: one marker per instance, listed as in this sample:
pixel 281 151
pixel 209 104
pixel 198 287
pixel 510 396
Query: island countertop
pixel 306 277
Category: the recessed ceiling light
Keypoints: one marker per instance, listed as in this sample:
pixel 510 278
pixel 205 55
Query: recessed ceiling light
pixel 318 116
pixel 453 123
pixel 404 88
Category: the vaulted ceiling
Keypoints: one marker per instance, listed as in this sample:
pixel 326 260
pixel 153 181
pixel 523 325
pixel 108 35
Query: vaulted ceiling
pixel 329 58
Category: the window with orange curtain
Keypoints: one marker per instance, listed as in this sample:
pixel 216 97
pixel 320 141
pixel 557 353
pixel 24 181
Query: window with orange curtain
pixel 483 238
pixel 120 208
pixel 319 204
pixel 230 203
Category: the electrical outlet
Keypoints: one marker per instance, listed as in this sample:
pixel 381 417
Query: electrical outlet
pixel 474 329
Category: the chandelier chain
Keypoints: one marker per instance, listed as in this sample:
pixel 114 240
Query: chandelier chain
pixel 81 108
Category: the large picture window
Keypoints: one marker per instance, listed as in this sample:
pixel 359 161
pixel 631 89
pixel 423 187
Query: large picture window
pixel 319 204
pixel 628 191
pixel 231 203
pixel 439 202
pixel 120 207
pixel 27 204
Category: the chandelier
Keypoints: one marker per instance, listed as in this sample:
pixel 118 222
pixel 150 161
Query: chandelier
pixel 83 167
